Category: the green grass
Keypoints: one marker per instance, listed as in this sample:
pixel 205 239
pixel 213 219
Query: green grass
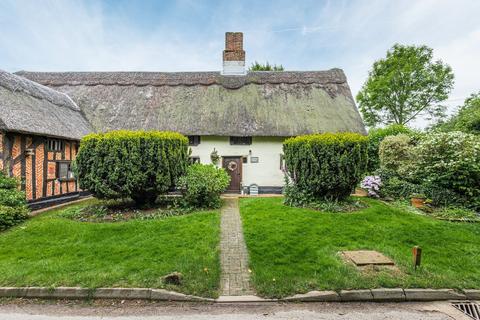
pixel 294 250
pixel 53 251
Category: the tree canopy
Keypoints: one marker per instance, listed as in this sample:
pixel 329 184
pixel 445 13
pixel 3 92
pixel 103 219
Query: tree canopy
pixel 256 66
pixel 404 85
pixel 467 119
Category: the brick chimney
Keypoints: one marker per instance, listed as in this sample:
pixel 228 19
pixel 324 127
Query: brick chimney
pixel 233 55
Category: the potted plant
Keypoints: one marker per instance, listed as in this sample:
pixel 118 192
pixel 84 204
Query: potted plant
pixel 418 200
pixel 214 157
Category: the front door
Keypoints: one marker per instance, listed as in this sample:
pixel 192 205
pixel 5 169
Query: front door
pixel 233 166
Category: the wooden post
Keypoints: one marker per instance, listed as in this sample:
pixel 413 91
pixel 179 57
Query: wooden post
pixel 417 256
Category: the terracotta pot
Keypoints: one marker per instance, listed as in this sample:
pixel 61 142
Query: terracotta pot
pixel 418 202
pixel 360 192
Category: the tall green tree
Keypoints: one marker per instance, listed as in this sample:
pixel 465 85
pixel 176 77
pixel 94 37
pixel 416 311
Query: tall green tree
pixel 404 85
pixel 256 66
pixel 466 120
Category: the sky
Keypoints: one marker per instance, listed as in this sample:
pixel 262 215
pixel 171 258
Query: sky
pixel 188 35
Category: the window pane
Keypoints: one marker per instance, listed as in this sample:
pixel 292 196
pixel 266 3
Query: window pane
pixel 63 170
pixel 193 140
pixel 240 140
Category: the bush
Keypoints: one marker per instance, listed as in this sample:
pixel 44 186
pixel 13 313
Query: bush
pixel 394 186
pixel 456 213
pixel 325 166
pixel 131 164
pixel 202 185
pixel 10 216
pixel 394 151
pixel 13 204
pixel 449 161
pixel 375 136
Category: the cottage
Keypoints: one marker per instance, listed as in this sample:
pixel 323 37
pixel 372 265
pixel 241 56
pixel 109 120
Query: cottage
pixel 243 117
pixel 40 129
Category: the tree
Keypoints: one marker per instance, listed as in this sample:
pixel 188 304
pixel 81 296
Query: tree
pixel 405 85
pixel 265 67
pixel 466 120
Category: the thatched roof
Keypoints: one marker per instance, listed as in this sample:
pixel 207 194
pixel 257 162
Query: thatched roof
pixel 29 107
pixel 207 103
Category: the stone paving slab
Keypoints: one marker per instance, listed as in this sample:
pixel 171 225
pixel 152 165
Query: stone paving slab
pixel 367 257
pixel 387 294
pixel 235 278
pixel 356 295
pixel 318 296
pixel 433 294
pixel 472 294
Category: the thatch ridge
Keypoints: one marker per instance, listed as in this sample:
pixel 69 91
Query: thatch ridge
pixel 207 78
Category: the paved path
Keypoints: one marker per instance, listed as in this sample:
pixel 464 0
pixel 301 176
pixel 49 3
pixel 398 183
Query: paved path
pixel 132 310
pixel 235 279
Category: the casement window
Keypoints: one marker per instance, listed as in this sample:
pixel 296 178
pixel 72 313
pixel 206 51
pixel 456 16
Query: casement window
pixel 55 145
pixel 194 160
pixel 193 140
pixel 64 170
pixel 241 141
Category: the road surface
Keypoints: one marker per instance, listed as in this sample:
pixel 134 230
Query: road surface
pixel 135 310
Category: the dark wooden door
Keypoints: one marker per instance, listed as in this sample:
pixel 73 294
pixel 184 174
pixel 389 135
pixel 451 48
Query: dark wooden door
pixel 233 166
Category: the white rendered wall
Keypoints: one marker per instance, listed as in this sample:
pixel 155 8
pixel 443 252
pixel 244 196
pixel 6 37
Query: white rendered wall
pixel 265 173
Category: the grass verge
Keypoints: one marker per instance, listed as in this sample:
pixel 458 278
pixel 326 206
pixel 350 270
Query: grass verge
pixel 295 250
pixel 50 250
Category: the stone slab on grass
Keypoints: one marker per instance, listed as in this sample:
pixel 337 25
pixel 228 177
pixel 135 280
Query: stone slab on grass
pixel 433 294
pixel 472 294
pixel 367 257
pixel 356 295
pixel 122 293
pixel 388 294
pixel 319 296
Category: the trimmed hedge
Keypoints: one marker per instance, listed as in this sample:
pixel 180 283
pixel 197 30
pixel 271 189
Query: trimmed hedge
pixel 131 164
pixel 326 166
pixel 13 204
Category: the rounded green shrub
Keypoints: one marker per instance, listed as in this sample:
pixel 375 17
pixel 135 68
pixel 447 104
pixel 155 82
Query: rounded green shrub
pixel 202 185
pixel 10 216
pixel 394 151
pixel 325 166
pixel 131 164
pixel 375 137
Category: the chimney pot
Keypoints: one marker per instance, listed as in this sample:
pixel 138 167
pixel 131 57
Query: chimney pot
pixel 233 55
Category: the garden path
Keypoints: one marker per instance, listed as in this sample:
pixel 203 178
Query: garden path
pixel 235 278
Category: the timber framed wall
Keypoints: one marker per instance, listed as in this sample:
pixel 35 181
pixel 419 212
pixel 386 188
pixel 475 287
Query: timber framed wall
pixel 29 158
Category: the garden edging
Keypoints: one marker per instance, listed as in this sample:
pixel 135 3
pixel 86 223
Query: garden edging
pixel 99 293
pixel 365 295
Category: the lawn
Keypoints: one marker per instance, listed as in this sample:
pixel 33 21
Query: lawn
pixel 295 250
pixel 53 251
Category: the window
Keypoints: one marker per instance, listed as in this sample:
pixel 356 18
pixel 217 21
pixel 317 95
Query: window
pixel 55 145
pixel 64 171
pixel 193 160
pixel 240 140
pixel 193 140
